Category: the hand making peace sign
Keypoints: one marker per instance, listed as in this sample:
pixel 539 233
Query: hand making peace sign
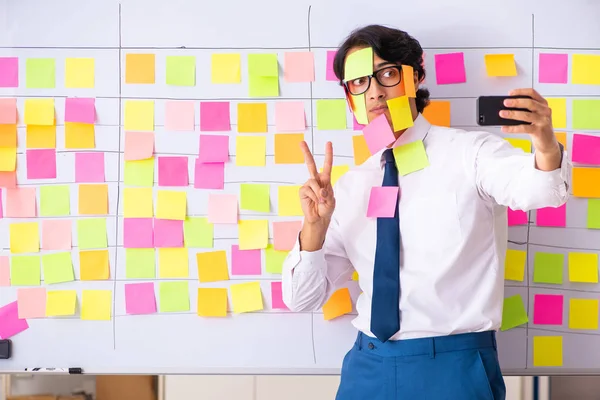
pixel 316 195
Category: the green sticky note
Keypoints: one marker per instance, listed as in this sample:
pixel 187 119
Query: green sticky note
pixel 55 201
pixel 263 65
pixel 40 73
pixel 139 172
pixel 513 313
pixel 255 197
pixel 174 297
pixel 548 268
pixel 593 214
pixel 359 63
pixel 274 259
pixel 586 114
pixel 25 271
pixel 91 233
pixel 411 157
pixel 140 264
pixel 57 268
pixel 331 114
pixel 198 232
pixel 181 70
pixel 263 86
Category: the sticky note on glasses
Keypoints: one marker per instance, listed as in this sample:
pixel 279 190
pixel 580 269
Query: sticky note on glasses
pixel 359 107
pixel 408 76
pixel 401 114
pixel 411 157
pixel 359 63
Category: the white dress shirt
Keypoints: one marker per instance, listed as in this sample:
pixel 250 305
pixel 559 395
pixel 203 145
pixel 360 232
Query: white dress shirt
pixel 453 232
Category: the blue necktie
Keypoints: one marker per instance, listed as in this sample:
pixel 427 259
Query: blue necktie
pixel 385 308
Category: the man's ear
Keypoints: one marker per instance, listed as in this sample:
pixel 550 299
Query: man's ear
pixel 416 77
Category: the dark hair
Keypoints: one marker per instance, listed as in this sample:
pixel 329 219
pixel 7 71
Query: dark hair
pixel 392 45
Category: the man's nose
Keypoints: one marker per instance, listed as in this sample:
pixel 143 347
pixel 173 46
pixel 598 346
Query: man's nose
pixel 375 91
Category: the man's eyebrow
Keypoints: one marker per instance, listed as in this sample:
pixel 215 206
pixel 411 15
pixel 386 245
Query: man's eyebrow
pixel 382 64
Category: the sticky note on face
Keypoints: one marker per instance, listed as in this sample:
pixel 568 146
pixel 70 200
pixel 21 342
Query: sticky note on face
pixel 79 73
pixel 411 157
pixel 252 117
pixel 25 271
pixel 288 201
pixel 358 64
pixel 585 182
pixel 94 265
pixel 378 134
pixel 253 234
pixel 500 65
pixel 450 68
pixel 246 297
pixel 174 297
pixel 400 112
pixel 60 303
pixel 139 68
pixel 548 268
pixel 338 304
pixel 181 70
pixel 547 309
pixel 212 302
pixel 58 268
pixel 586 114
pixel 212 266
pixel 547 351
pixel 96 305
pixel 225 68
pixel 514 265
pixel 408 77
pixel 585 69
pixel 513 313
pixel 583 267
pixel 583 314
pixel 359 109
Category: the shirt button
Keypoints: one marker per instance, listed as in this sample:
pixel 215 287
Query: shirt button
pixel 371 346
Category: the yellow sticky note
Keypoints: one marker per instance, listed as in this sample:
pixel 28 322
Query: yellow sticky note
pixel 562 138
pixel 139 115
pixel 523 144
pixel 226 68
pixel 547 351
pixel 253 234
pixel 559 112
pixel 583 314
pixel 583 267
pixel 514 265
pixel 93 199
pixel 94 265
pixel 287 148
pixel 585 182
pixel 337 171
pixel 139 68
pixel 39 111
pixel 173 262
pixel 96 305
pixel 79 136
pixel 359 108
pixel 411 157
pixel 79 73
pixel 358 64
pixel 584 70
pixel 438 113
pixel 400 112
pixel 250 151
pixel 60 302
pixel 338 304
pixel 246 297
pixel 360 148
pixel 500 65
pixel 212 302
pixel 138 203
pixel 171 204
pixel 212 266
pixel 408 77
pixel 8 159
pixel 288 201
pixel 355 276
pixel 41 137
pixel 24 237
pixel 252 117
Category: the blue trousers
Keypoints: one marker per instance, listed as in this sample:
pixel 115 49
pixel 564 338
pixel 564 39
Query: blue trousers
pixel 456 367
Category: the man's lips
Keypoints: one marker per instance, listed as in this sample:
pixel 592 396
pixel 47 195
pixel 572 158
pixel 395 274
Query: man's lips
pixel 378 109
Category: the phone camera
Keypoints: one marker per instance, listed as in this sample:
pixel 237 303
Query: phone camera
pixel 481 119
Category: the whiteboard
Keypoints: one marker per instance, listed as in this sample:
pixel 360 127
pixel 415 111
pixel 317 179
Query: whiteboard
pixel 270 341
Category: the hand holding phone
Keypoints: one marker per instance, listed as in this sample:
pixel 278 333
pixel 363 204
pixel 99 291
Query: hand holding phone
pixel 489 107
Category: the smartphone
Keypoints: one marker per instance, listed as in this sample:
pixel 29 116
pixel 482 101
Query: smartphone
pixel 489 107
pixel 5 349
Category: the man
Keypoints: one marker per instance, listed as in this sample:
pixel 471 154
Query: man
pixel 431 276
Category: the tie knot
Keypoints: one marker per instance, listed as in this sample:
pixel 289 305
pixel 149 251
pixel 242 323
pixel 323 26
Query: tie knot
pixel 388 155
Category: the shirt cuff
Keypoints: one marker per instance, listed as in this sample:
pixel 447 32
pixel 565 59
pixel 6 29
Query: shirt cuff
pixel 558 178
pixel 308 261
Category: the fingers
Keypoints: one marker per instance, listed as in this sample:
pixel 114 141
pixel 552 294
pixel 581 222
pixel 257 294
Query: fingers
pixel 528 92
pixel 328 161
pixel 519 115
pixel 312 190
pixel 528 104
pixel 310 161
pixel 530 129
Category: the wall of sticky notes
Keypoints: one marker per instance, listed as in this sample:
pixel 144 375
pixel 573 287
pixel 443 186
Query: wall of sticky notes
pixel 150 166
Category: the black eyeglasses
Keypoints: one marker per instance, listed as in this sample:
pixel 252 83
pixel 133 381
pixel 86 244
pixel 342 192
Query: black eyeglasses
pixel 388 77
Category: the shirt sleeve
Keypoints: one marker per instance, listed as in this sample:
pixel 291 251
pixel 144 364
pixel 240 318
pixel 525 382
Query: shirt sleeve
pixel 509 176
pixel 309 278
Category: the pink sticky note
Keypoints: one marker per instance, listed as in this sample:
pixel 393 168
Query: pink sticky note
pixel 450 68
pixel 138 233
pixel 355 125
pixel 173 171
pixel 285 234
pixel 299 66
pixel 56 234
pixel 214 149
pixel 554 68
pixel 9 72
pixel 586 149
pixel 517 217
pixel 168 233
pixel 382 202
pixel 378 134
pixel 277 297
pixel 548 309
pixel 41 164
pixel 21 202
pixel 289 116
pixel 214 116
pixel 31 302
pixel 8 111
pixel 209 176
pixel 10 324
pixel 4 271
pixel 80 110
pixel 245 262
pixel 329 74
pixel 139 298
pixel 179 116
pixel 222 208
pixel 89 167
pixel 139 145
pixel 1 208
pixel 552 216
pixel 8 179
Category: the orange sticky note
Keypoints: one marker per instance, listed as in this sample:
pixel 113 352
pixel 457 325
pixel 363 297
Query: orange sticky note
pixel 8 135
pixel 139 68
pixel 252 117
pixel 212 266
pixel 408 77
pixel 287 148
pixel 41 137
pixel 438 113
pixel 8 179
pixel 585 182
pixel 93 199
pixel 94 265
pixel 339 303
pixel 361 150
pixel 212 302
pixel 562 138
pixel 79 136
